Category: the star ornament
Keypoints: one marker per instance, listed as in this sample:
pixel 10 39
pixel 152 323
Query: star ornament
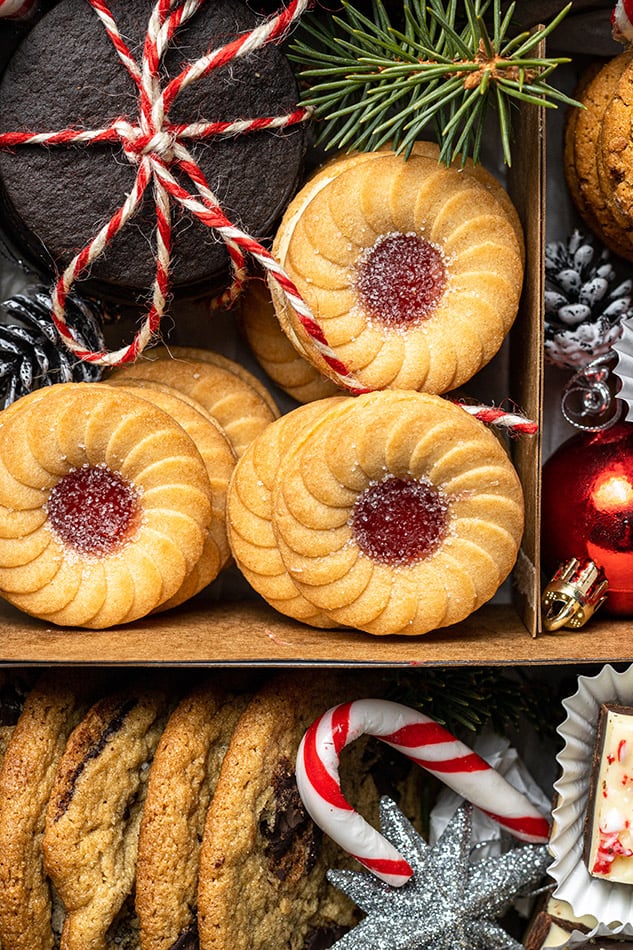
pixel 450 903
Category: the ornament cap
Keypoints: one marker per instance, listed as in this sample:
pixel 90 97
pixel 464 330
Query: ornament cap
pixel 590 400
pixel 575 592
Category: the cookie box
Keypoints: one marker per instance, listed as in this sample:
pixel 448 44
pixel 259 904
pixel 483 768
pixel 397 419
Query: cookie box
pixel 228 625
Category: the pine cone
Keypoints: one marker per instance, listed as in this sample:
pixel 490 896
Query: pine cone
pixel 584 302
pixel 32 355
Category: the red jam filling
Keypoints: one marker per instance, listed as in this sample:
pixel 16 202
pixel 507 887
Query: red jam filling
pixel 93 510
pixel 399 521
pixel 401 279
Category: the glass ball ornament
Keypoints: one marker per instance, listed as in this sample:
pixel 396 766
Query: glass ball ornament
pixel 587 508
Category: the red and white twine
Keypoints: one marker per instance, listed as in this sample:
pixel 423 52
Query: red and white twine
pixel 156 147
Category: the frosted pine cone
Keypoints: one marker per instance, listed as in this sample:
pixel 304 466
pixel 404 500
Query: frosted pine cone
pixel 585 302
pixel 32 354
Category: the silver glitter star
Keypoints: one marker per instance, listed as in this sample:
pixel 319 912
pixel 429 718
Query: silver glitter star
pixel 449 903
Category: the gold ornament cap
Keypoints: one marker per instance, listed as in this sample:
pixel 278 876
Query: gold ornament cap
pixel 575 592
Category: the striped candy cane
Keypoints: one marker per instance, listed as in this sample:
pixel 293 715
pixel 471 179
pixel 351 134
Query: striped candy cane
pixel 425 742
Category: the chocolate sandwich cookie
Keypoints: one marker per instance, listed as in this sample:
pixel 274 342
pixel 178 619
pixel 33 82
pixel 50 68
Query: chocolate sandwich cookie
pixel 94 813
pixel 67 74
pixel 263 862
pixel 182 780
pixel 51 710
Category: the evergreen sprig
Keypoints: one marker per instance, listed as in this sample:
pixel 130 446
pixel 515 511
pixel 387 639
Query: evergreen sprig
pixel 465 699
pixel 446 64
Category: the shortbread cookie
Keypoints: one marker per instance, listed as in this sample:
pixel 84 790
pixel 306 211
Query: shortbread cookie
pixel 234 398
pixel 219 459
pixel 199 354
pixel 250 516
pixel 412 270
pixel 263 862
pixel 94 812
pixel 585 147
pixel 182 780
pixel 51 711
pixel 109 504
pixel 274 351
pixel 397 513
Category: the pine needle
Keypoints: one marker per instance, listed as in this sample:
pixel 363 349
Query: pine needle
pixel 446 65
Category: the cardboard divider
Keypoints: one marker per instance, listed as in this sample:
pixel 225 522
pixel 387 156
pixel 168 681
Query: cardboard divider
pixel 526 185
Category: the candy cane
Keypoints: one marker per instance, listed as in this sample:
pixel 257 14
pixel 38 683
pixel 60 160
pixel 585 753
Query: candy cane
pixel 424 741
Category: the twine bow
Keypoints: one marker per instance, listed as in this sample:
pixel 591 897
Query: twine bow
pixel 157 149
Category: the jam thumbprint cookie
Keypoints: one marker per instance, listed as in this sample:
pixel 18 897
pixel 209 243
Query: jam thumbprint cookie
pixel 411 269
pixel 105 505
pixel 391 512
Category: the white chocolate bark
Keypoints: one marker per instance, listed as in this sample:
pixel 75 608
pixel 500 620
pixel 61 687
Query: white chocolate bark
pixel 561 910
pixel 611 844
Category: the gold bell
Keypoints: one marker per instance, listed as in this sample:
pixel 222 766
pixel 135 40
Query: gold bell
pixel 573 595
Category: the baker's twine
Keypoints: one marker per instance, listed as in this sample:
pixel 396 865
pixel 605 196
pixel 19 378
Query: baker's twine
pixel 156 147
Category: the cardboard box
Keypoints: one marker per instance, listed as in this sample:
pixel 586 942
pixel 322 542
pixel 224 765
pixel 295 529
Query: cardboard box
pixel 245 632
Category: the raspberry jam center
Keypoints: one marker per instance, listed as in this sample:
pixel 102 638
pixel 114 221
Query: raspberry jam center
pixel 401 279
pixel 399 521
pixel 93 510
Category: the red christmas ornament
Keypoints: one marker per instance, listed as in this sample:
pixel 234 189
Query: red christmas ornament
pixel 587 508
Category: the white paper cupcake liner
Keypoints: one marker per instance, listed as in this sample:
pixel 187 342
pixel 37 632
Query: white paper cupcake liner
pixel 611 904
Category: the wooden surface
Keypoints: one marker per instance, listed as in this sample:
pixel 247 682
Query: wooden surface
pixel 253 635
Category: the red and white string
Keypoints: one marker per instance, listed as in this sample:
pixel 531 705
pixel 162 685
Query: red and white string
pixel 156 147
pixel 427 743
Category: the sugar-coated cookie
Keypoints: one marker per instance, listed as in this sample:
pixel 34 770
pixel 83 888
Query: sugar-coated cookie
pixel 94 811
pixel 397 513
pixel 412 270
pixel 391 512
pixel 181 783
pixel 250 516
pixel 232 395
pixel 274 351
pixel 219 459
pixel 107 505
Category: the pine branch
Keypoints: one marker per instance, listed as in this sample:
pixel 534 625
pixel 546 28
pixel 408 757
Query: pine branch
pixel 470 698
pixel 371 82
